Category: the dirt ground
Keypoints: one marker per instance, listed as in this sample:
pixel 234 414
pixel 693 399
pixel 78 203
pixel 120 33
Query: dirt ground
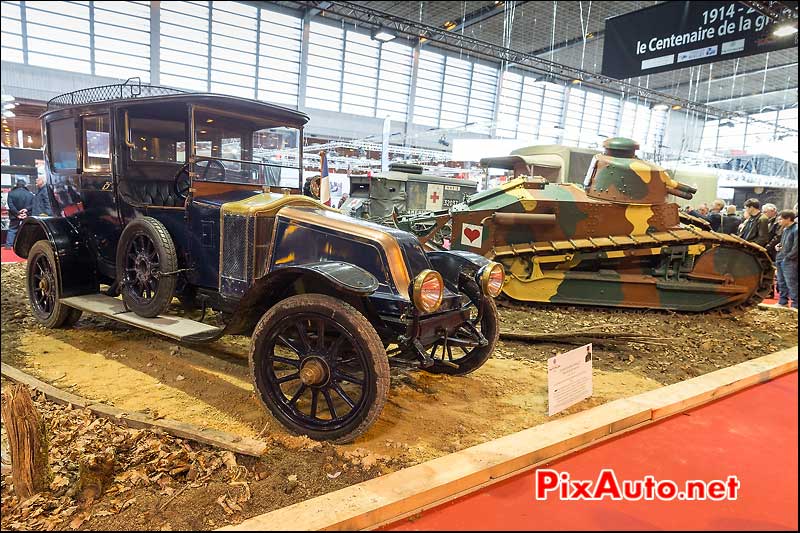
pixel 426 416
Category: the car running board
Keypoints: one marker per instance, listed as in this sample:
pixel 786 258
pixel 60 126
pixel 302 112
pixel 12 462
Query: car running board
pixel 177 328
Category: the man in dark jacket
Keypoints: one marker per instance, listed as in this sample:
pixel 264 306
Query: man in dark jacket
pixel 787 259
pixel 756 227
pixel 731 221
pixel 771 212
pixel 41 201
pixel 715 215
pixel 20 200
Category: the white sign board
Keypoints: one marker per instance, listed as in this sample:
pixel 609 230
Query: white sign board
pixel 435 198
pixel 569 379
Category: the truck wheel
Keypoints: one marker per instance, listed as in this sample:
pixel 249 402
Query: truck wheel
pixel 145 249
pixel 465 356
pixel 44 288
pixel 319 366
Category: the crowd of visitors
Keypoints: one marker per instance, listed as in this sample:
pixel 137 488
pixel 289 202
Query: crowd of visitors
pixel 766 226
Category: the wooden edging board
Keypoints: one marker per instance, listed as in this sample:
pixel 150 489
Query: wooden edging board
pixel 388 498
pixel 220 439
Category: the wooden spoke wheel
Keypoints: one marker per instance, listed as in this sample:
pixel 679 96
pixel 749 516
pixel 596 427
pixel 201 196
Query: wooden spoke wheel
pixel 145 256
pixel 472 344
pixel 44 293
pixel 319 367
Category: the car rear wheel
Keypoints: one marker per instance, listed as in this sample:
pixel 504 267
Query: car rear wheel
pixel 44 292
pixel 144 254
pixel 319 366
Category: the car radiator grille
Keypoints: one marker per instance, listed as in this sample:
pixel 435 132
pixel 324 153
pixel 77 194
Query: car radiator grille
pixel 236 243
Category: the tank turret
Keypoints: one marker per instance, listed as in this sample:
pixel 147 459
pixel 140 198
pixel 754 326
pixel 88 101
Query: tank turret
pixel 617 175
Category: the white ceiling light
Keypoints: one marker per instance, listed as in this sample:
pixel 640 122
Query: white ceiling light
pixel 383 35
pixel 7 98
pixel 785 30
pixel 9 114
pixel 660 107
pixel 9 105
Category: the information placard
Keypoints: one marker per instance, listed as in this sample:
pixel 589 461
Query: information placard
pixel 569 379
pixel 674 35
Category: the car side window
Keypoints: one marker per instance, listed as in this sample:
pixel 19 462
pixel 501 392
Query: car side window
pixel 63 149
pixel 96 148
pixel 158 140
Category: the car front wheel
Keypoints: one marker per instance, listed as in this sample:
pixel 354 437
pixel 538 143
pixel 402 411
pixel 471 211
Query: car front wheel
pixel 319 366
pixel 463 353
pixel 146 259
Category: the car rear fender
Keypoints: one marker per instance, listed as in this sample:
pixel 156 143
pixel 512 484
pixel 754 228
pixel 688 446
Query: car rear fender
pixel 76 262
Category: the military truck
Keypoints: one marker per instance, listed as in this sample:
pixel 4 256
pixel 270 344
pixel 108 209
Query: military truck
pixel 555 163
pixel 404 189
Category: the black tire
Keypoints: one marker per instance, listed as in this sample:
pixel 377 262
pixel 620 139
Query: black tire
pixel 351 357
pixel 472 359
pixel 44 288
pixel 145 249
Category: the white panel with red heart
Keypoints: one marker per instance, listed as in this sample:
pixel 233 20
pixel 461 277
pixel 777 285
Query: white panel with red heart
pixel 472 235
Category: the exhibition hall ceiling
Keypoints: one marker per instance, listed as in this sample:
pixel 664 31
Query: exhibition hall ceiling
pixel 554 30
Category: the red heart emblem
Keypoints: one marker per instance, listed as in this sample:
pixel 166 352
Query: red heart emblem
pixel 472 234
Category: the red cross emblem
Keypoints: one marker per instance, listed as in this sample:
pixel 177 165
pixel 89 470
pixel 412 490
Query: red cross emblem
pixel 435 197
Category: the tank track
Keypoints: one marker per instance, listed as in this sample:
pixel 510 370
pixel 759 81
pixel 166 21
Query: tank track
pixel 684 235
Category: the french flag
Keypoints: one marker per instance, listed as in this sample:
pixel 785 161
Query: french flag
pixel 324 182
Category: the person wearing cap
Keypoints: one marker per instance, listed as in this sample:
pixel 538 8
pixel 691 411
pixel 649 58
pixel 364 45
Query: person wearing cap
pixel 20 200
pixel 756 227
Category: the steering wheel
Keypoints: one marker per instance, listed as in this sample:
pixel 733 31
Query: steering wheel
pixel 183 182
pixel 208 166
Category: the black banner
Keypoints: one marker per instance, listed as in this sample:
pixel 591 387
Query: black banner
pixel 675 35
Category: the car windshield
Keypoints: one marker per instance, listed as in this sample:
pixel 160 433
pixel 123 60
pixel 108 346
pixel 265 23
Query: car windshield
pixel 235 149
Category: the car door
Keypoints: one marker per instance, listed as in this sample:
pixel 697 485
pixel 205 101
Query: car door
pixel 97 186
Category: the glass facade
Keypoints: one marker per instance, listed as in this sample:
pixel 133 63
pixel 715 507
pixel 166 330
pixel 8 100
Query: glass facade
pixel 257 52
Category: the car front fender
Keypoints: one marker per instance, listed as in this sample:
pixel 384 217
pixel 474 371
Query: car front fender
pixel 451 263
pixel 336 278
pixel 344 276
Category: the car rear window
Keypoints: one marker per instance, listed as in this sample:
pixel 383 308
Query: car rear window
pixel 63 148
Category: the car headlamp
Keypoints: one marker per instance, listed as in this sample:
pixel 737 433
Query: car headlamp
pixel 491 278
pixel 427 291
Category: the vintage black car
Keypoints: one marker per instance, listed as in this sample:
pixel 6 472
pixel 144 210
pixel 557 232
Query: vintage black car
pixel 160 194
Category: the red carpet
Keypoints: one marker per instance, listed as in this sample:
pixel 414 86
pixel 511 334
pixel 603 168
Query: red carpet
pixel 9 256
pixel 751 434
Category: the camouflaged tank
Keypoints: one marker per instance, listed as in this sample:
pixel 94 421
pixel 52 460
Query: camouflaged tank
pixel 617 241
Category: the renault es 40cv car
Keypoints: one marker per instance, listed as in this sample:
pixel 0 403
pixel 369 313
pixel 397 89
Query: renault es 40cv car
pixel 159 194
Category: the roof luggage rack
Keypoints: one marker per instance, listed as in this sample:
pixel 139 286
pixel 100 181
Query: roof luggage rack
pixel 131 88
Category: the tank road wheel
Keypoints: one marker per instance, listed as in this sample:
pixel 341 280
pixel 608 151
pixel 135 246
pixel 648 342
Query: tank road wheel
pixel 145 250
pixel 465 355
pixel 319 366
pixel 44 291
